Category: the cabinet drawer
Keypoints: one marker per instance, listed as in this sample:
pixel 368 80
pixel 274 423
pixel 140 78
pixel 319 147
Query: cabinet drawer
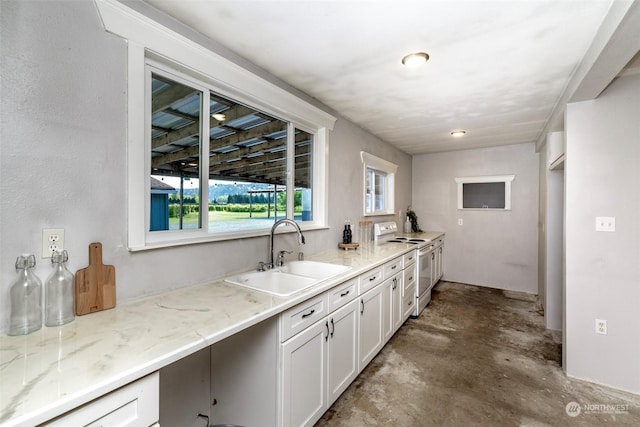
pixel 392 267
pixel 136 404
pixel 342 294
pixel 302 316
pixel 410 275
pixel 370 279
pixel 409 259
pixel 408 301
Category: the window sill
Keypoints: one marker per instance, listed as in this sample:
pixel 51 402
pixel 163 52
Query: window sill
pixel 160 244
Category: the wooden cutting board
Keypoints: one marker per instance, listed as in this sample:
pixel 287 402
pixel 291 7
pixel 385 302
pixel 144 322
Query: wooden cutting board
pixel 95 287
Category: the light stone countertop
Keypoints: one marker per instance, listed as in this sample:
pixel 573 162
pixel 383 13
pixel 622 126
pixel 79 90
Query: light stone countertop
pixel 56 369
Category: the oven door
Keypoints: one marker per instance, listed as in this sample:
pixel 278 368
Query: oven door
pixel 425 276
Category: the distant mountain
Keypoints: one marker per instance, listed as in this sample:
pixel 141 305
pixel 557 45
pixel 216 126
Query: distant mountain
pixel 219 190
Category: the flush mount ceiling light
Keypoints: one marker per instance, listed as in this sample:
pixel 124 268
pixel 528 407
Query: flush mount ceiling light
pixel 458 133
pixel 219 117
pixel 415 59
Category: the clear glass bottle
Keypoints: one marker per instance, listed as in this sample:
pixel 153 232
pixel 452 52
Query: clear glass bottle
pixel 26 298
pixel 58 296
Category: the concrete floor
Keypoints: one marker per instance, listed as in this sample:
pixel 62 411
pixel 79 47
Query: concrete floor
pixel 476 356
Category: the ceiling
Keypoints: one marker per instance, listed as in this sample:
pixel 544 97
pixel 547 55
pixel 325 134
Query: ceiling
pixel 497 69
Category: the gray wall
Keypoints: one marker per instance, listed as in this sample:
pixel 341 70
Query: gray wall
pixel 491 248
pixel 63 157
pixel 602 268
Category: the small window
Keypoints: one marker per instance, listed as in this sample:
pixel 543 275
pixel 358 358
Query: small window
pixel 379 178
pixel 485 192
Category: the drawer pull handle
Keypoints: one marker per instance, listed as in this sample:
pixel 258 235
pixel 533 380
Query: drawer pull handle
pixel 344 294
pixel 395 283
pixel 326 338
pixel 361 307
pixel 371 279
pixel 333 327
pixel 394 267
pixel 410 303
pixel 304 316
pixel 411 278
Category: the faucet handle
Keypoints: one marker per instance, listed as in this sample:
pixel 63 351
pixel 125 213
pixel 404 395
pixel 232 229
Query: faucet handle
pixel 261 266
pixel 281 257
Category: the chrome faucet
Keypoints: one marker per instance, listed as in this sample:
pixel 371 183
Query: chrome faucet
pixel 273 229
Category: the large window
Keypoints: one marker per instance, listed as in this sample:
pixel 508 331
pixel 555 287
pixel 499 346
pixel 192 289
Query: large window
pixel 213 151
pixel 244 185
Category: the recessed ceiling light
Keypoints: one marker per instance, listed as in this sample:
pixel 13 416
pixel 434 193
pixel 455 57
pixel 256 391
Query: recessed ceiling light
pixel 415 59
pixel 458 133
pixel 219 117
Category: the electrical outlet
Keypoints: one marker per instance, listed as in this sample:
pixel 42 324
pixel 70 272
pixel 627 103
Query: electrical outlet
pixel 605 223
pixel 52 240
pixel 601 327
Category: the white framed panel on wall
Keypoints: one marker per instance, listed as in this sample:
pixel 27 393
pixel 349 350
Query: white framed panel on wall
pixel 485 192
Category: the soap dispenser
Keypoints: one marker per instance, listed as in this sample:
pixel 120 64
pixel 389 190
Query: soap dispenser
pixel 347 235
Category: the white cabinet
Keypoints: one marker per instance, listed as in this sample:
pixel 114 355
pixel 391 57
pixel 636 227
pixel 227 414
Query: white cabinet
pixel 370 335
pixel 343 349
pixel 318 364
pixel 408 301
pixel 438 260
pixel 370 279
pixel 327 341
pixel 392 300
pixel 134 405
pixel 304 376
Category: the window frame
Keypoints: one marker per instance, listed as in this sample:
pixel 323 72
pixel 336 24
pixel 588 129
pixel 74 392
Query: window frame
pixel 148 40
pixel 506 179
pixel 383 167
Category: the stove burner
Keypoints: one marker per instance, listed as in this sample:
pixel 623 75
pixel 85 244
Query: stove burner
pixel 404 240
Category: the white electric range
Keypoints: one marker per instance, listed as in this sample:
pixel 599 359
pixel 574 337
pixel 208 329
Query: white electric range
pixel 387 233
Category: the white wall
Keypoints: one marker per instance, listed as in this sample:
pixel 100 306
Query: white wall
pixel 493 248
pixel 603 269
pixel 551 232
pixel 542 227
pixel 63 157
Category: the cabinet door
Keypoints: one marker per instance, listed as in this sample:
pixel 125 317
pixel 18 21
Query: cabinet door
pixel 408 301
pixel 391 299
pixel 434 268
pixel 440 262
pixel 343 349
pixel 387 309
pixel 396 313
pixel 304 376
pixel 370 333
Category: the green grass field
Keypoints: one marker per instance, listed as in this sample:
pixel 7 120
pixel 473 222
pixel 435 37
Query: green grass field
pixel 191 220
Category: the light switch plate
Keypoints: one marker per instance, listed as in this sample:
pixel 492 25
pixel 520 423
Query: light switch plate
pixel 605 223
